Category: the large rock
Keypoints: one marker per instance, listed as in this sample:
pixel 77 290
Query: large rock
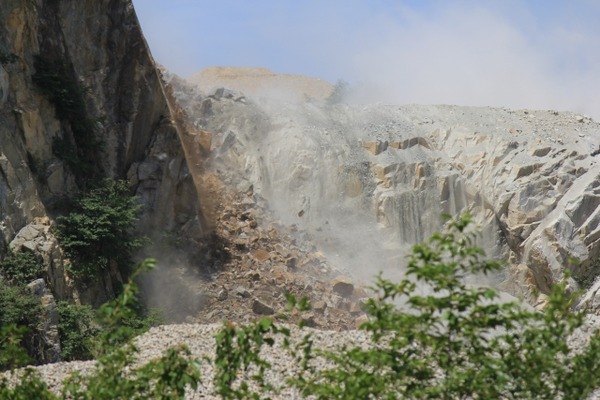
pixel 37 238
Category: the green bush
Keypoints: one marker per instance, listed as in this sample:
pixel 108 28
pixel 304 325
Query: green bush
pixel 12 352
pixel 18 307
pixel 77 329
pixel 19 268
pixel 97 232
pixel 80 330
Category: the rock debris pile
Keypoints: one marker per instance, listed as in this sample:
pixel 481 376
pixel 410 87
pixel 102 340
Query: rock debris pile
pixel 249 266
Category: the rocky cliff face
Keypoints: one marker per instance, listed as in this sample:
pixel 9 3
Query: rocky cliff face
pixel 80 96
pixel 367 181
pixel 98 47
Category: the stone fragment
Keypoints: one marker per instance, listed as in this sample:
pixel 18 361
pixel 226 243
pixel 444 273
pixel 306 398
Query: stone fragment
pixel 342 285
pixel 221 92
pixel 310 321
pixel 291 262
pixel 261 255
pixel 259 307
pixel 242 292
pixel 222 295
pixel 380 171
pixel 355 308
pixel 541 151
pixel 319 306
pixel 203 139
pixel 245 186
pixel 375 147
pixel 253 275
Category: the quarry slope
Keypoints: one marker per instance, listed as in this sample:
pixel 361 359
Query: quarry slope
pixel 367 181
pixel 273 191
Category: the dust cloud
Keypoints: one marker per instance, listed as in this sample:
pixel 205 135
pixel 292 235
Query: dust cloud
pixel 499 53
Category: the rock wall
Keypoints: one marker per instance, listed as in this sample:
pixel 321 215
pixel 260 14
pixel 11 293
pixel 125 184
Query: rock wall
pixel 101 50
pixel 368 181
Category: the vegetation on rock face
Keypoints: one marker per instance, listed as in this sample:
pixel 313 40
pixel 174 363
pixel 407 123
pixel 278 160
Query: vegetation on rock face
pixel 77 329
pixel 61 88
pixel 97 232
pixel 19 315
pixel 19 268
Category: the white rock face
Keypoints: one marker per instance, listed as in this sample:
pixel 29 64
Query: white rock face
pixel 368 181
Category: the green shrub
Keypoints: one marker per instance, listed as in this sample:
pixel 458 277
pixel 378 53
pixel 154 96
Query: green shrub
pixel 97 232
pixel 12 352
pixel 18 307
pixel 19 268
pixel 77 329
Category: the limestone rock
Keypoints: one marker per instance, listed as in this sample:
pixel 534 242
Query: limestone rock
pixel 38 238
pixel 261 255
pixel 342 285
pixel 260 307
pixel 375 147
pixel 515 172
pixel 590 300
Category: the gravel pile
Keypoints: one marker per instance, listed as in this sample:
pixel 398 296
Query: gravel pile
pixel 200 340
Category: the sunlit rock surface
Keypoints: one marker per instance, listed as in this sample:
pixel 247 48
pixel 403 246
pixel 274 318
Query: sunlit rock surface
pixel 367 181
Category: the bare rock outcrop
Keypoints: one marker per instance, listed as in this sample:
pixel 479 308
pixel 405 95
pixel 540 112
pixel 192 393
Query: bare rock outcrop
pixel 369 181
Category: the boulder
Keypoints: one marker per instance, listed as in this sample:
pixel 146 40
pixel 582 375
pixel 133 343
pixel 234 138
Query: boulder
pixel 343 286
pixel 260 307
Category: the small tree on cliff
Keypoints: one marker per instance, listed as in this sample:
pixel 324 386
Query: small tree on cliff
pixel 98 230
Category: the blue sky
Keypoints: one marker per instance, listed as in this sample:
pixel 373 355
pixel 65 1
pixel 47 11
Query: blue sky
pixel 514 53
